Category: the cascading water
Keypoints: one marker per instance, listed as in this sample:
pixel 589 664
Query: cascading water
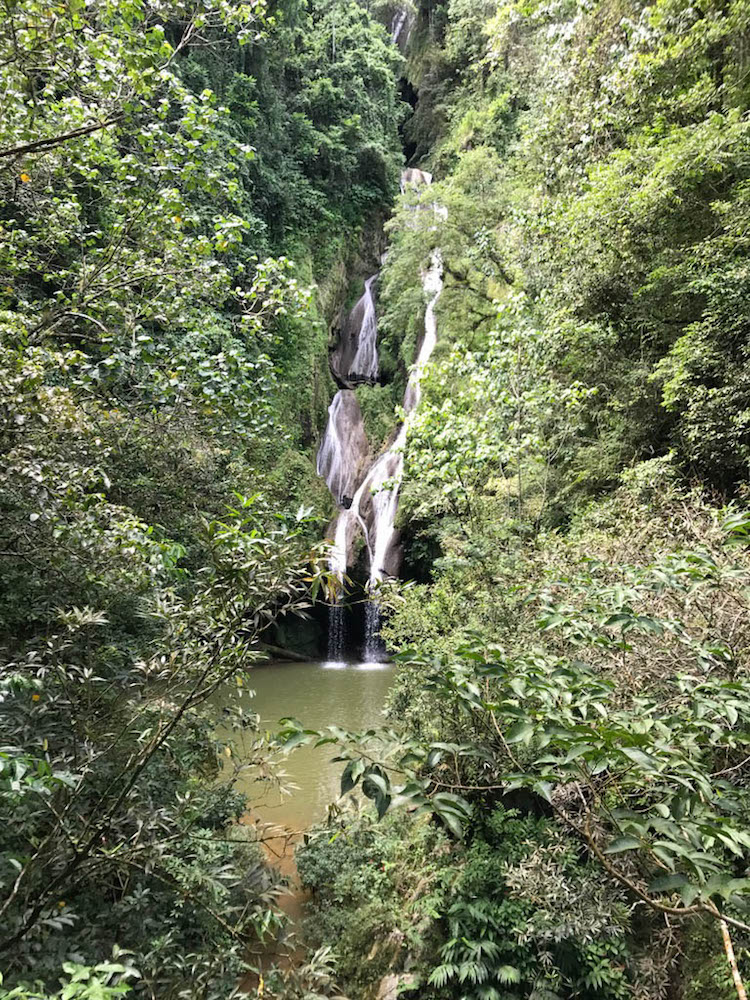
pixel 372 507
pixel 374 650
pixel 344 447
pixel 402 24
pixel 336 632
pixel 364 365
pixel 384 480
pixel 397 24
pixel 355 358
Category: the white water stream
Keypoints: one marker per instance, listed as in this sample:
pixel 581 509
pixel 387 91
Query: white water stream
pixel 344 447
pixel 397 24
pixel 384 480
pixel 372 506
pixel 355 358
pixel 365 362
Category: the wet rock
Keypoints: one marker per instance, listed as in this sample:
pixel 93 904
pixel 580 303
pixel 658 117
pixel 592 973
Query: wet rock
pixel 413 178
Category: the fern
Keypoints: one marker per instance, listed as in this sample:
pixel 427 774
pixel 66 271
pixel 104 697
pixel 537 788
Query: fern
pixel 473 972
pixel 544 993
pixel 490 993
pixel 508 974
pixel 442 975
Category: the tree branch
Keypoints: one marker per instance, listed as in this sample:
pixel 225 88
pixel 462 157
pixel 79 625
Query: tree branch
pixel 43 144
pixel 737 979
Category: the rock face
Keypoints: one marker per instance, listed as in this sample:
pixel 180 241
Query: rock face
pixel 392 986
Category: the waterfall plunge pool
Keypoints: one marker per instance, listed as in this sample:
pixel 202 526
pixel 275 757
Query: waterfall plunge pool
pixel 327 693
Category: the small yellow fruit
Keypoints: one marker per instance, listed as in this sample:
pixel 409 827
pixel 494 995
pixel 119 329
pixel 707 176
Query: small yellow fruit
pixel 25 178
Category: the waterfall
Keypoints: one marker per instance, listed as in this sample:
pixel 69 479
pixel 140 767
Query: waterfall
pixel 371 507
pixel 364 365
pixel 337 560
pixel 374 649
pixel 344 447
pixel 402 23
pixel 336 632
pixel 385 477
pixel 355 358
pixel 397 24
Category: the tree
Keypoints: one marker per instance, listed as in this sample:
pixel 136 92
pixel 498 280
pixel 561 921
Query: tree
pixel 101 768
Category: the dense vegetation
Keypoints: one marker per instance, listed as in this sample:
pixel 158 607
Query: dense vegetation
pixel 559 808
pixel 574 636
pixel 175 178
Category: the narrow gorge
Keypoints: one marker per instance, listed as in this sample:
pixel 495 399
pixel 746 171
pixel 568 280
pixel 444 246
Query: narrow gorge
pixel 374 499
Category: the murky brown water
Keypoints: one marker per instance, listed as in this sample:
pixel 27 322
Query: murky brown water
pixel 350 695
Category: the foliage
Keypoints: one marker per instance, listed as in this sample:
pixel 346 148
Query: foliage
pixel 146 299
pixel 110 779
pixel 706 965
pixel 105 980
pixel 592 164
pixel 581 717
pixel 568 740
pixel 457 927
pixel 575 642
pixel 312 979
pixel 168 175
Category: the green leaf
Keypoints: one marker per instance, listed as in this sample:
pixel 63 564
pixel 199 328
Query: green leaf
pixel 374 784
pixel 543 789
pixel 689 893
pixel 577 751
pixel 520 732
pixel 351 775
pixel 621 844
pixel 453 823
pixel 295 740
pixel 667 883
pixel 640 757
